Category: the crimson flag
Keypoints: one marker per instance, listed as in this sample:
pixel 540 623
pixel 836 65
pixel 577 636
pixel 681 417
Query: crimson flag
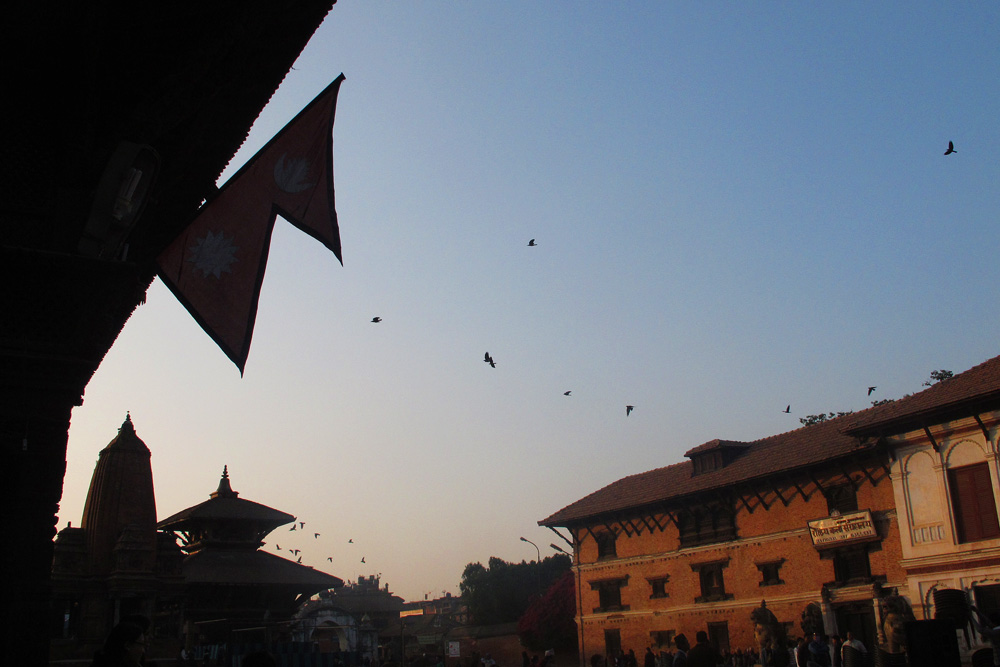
pixel 216 266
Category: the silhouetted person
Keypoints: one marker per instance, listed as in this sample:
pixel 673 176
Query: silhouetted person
pixel 124 646
pixel 683 646
pixel 702 654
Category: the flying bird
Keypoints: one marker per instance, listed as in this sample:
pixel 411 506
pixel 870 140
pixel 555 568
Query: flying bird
pixel 376 319
pixel 296 551
pixel 362 559
pixel 567 393
pixel 350 541
pixel 316 535
pixel 329 559
pixel 488 359
pixel 302 524
pixel 871 389
pixel 629 409
pixel 299 559
pixel 532 242
pixel 278 546
pixel 787 409
pixel 951 149
pixel 293 527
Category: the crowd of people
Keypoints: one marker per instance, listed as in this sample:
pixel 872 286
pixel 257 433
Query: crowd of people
pixel 820 651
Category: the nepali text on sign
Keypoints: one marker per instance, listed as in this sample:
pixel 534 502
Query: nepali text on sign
pixel 844 528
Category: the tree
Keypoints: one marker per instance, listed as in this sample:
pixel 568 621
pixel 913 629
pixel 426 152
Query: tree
pixel 550 622
pixel 809 420
pixel 937 376
pixel 501 592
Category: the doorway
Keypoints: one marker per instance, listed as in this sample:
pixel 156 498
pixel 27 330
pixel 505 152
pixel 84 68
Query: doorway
pixel 858 618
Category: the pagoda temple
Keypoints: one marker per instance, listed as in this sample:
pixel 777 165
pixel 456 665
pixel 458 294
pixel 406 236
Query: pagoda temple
pixel 233 590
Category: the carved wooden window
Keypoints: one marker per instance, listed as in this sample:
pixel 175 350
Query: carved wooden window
pixel 975 506
pixel 658 586
pixel 609 592
pixel 770 573
pixel 713 585
pixel 606 546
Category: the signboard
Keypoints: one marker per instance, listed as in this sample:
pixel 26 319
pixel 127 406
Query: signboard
pixel 453 650
pixel 837 530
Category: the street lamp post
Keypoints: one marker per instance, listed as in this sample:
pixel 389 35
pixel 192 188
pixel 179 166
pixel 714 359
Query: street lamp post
pixel 538 566
pixel 579 594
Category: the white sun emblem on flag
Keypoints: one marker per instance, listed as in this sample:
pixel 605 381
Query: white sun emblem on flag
pixel 212 254
pixel 292 175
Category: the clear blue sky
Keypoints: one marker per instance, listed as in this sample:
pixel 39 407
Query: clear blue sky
pixel 738 206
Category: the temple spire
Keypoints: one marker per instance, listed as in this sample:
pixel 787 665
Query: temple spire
pixel 224 490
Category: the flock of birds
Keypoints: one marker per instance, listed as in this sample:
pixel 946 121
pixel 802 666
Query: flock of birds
pixel 489 359
pixel 299 526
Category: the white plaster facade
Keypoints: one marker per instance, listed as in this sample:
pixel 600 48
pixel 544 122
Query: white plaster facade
pixel 933 555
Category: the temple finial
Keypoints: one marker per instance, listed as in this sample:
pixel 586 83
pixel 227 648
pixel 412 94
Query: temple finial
pixel 224 490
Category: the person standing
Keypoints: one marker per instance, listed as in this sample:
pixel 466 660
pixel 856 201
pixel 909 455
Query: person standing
pixel 680 657
pixel 702 654
pixel 855 644
pixel 125 646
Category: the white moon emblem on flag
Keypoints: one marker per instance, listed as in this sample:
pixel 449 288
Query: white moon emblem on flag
pixel 290 175
pixel 212 254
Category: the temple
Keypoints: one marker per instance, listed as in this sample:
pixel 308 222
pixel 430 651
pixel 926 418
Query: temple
pixel 215 587
pixel 231 586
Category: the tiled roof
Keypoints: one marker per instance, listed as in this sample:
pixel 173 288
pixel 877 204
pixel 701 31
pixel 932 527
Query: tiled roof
pixel 978 384
pixel 225 505
pixel 223 566
pixel 794 450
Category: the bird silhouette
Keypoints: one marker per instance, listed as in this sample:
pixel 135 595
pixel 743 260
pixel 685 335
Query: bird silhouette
pixel 329 559
pixel 871 389
pixel 350 541
pixel 532 242
pixel 488 359
pixel 316 535
pixel 278 546
pixel 376 319
pixel 629 409
pixel 293 527
pixel 567 393
pixel 951 149
pixel 787 409
pixel 299 560
pixel 296 551
pixel 302 524
pixel 362 559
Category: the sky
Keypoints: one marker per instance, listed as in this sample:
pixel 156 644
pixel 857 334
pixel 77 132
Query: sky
pixel 737 207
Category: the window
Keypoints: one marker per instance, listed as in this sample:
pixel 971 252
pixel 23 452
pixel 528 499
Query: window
pixel 707 524
pixel 707 462
pixel 841 498
pixel 609 592
pixel 659 587
pixel 606 545
pixel 851 565
pixel 769 573
pixel 975 506
pixel 713 587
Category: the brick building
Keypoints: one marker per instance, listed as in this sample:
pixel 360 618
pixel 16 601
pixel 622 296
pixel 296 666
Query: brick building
pixel 805 520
